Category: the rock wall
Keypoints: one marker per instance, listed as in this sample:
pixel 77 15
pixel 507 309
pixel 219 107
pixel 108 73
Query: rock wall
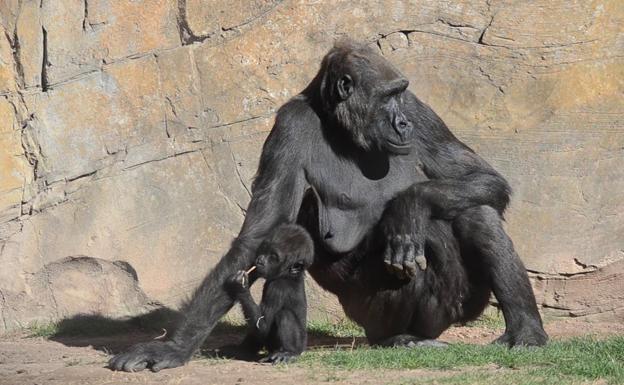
pixel 130 132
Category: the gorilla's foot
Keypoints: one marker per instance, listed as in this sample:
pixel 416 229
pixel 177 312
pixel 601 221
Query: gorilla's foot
pixel 155 355
pixel 279 358
pixel 528 336
pixel 410 341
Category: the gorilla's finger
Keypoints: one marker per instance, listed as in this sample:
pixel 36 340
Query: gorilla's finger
pixel 113 363
pixel 397 257
pixel 421 261
pixel 397 251
pixel 388 255
pixel 409 263
pixel 160 365
pixel 135 364
pixel 118 361
pixel 140 366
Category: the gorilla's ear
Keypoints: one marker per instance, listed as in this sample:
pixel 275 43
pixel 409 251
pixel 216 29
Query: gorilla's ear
pixel 297 268
pixel 345 87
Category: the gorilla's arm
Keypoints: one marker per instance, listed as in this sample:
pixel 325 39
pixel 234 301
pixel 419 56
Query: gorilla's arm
pixel 277 193
pixel 458 178
pixel 259 319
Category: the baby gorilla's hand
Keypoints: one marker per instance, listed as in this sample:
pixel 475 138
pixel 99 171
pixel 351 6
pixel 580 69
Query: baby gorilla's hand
pixel 238 282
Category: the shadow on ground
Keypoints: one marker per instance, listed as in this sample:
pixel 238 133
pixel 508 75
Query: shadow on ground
pixel 116 335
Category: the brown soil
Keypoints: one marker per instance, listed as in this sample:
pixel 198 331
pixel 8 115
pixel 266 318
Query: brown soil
pixel 79 360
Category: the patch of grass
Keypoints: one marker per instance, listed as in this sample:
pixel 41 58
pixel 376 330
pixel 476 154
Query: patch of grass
pixel 581 358
pixel 44 330
pixel 492 318
pixel 499 376
pixel 339 329
pixel 229 326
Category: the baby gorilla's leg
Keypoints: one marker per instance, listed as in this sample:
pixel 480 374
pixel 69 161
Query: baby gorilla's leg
pixel 288 339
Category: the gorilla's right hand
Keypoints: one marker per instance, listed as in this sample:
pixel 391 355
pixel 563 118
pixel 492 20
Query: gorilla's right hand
pixel 155 355
pixel 403 255
pixel 403 226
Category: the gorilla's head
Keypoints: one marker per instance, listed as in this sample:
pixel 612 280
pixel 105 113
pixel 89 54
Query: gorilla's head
pixel 287 252
pixel 364 94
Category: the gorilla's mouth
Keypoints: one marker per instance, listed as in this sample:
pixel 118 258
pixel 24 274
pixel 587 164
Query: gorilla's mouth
pixel 399 148
pixel 260 271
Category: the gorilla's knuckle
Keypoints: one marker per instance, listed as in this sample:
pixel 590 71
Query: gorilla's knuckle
pixel 397 266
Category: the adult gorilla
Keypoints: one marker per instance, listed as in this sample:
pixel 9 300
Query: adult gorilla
pixel 378 180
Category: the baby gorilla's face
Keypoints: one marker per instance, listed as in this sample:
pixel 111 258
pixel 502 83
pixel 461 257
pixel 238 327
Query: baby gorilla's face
pixel 286 252
pixel 268 263
pixel 275 262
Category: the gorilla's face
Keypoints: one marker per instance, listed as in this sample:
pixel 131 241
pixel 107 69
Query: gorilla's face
pixel 389 128
pixel 287 252
pixel 272 263
pixel 365 95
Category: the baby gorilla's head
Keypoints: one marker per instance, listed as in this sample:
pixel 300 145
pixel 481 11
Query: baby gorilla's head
pixel 287 252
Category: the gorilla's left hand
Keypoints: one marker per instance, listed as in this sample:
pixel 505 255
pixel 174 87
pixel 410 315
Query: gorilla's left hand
pixel 155 355
pixel 404 235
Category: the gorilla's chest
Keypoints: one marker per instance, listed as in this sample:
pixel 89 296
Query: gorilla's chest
pixel 351 195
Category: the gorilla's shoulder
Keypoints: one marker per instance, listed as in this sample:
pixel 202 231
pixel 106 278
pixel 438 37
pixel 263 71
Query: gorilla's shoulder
pixel 296 126
pixel 297 115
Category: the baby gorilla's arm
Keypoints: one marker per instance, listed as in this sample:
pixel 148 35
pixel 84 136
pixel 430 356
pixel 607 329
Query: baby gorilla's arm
pixel 258 322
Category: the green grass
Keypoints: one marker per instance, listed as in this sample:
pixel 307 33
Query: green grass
pixel 45 330
pixel 479 376
pixel 573 361
pixel 340 329
pixel 577 359
pixel 492 318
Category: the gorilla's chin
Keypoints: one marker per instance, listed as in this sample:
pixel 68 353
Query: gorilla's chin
pixel 398 149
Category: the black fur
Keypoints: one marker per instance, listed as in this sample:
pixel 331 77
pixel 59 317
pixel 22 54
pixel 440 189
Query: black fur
pixel 377 179
pixel 279 323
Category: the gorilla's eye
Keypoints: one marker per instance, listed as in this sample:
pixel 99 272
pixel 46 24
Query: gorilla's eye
pixel 273 258
pixel 344 201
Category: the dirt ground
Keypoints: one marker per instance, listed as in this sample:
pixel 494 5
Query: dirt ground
pixel 79 360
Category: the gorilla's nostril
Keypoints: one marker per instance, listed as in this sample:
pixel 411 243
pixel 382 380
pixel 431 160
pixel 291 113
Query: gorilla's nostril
pixel 402 124
pixel 328 235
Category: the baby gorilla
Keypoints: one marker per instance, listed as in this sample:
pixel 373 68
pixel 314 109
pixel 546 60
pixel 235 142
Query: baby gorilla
pixel 279 323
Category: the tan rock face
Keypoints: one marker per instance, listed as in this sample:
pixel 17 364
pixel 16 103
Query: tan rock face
pixel 15 172
pixel 130 131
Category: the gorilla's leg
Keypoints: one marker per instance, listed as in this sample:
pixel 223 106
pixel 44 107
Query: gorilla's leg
pixel 287 340
pixel 480 230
